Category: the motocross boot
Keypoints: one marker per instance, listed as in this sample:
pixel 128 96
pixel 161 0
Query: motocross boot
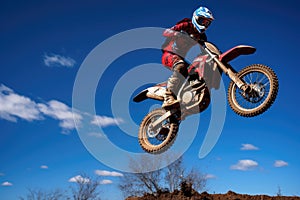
pixel 169 98
pixel 174 82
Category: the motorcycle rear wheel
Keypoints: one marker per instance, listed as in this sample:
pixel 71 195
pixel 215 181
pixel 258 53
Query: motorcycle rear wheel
pixel 264 88
pixel 157 141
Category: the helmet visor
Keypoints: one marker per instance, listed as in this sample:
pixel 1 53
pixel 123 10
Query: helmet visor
pixel 202 21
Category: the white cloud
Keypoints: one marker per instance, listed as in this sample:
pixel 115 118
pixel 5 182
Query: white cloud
pixel 44 167
pixel 104 121
pixel 244 165
pixel 105 182
pixel 58 60
pixel 107 173
pixel 248 147
pixel 280 163
pixel 79 179
pixel 210 176
pixel 14 106
pixel 7 184
pixel 61 112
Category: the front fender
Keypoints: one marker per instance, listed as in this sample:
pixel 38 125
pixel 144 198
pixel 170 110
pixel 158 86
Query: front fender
pixel 235 52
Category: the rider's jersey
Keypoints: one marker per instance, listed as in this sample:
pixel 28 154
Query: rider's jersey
pixel 179 38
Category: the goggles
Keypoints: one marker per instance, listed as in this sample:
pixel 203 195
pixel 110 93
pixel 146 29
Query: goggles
pixel 203 21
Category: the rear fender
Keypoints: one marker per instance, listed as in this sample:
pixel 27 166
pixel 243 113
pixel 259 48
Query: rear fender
pixel 235 52
pixel 155 92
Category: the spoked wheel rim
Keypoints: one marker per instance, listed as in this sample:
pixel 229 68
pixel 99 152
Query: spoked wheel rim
pixel 160 139
pixel 259 90
pixel 261 93
pixel 157 136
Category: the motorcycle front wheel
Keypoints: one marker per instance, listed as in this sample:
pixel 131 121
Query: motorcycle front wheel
pixel 263 89
pixel 160 139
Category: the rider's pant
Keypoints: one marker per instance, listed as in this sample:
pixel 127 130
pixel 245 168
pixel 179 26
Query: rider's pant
pixel 179 68
pixel 175 63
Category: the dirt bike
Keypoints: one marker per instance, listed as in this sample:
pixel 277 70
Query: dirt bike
pixel 250 93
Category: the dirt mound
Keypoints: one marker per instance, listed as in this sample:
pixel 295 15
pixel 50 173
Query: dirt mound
pixel 179 195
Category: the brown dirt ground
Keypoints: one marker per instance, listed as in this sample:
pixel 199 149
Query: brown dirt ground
pixel 178 195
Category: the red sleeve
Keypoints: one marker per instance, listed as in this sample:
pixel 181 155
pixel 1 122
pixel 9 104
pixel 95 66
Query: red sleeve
pixel 169 32
pixel 177 28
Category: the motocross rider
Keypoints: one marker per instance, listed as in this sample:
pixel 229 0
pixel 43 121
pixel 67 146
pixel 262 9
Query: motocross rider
pixel 178 43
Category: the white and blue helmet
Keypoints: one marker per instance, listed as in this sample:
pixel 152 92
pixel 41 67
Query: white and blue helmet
pixel 202 18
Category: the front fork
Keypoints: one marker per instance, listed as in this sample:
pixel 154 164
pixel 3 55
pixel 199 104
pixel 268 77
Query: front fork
pixel 239 82
pixel 232 75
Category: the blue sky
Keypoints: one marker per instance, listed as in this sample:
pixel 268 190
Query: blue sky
pixel 43 45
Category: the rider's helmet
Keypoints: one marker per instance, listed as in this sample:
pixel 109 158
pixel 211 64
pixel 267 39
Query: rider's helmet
pixel 202 18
